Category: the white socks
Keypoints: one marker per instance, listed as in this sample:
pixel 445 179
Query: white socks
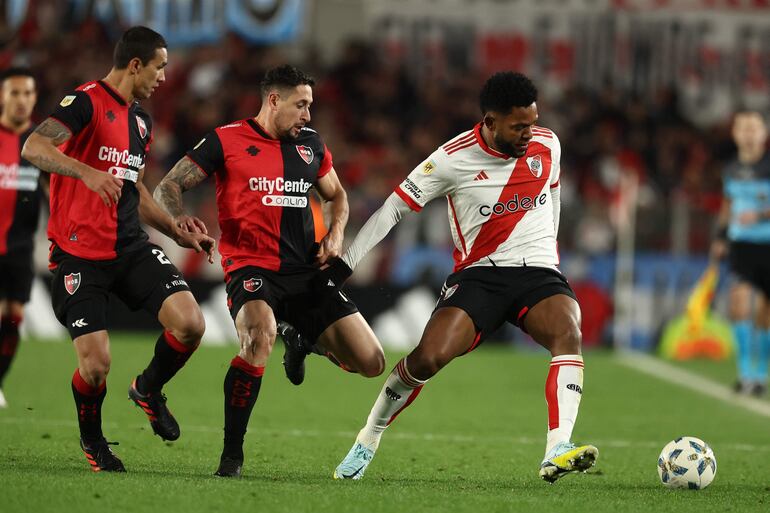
pixel 398 392
pixel 563 390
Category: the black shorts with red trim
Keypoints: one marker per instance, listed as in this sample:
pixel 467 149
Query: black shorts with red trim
pixel 16 275
pixel 291 297
pixel 494 295
pixel 142 279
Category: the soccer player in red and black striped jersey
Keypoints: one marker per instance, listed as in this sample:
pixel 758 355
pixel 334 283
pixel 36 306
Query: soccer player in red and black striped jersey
pixel 95 145
pixel 264 169
pixel 20 194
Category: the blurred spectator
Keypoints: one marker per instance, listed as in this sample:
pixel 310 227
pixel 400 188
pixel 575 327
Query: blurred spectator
pixel 380 119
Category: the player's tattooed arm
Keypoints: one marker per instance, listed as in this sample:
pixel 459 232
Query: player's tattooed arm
pixel 54 130
pixel 41 149
pixel 183 176
pixel 49 133
pixel 152 214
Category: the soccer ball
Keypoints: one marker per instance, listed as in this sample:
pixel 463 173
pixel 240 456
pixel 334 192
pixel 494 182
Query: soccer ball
pixel 687 462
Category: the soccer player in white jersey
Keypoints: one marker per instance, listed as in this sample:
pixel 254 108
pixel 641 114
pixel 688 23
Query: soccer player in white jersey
pixel 501 181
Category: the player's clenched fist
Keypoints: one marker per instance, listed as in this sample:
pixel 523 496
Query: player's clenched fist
pixel 330 247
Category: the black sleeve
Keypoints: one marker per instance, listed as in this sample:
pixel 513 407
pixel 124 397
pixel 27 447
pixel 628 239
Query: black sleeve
pixel 208 154
pixel 148 138
pixel 75 111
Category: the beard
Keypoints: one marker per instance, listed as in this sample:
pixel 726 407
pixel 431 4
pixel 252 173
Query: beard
pixel 508 148
pixel 286 135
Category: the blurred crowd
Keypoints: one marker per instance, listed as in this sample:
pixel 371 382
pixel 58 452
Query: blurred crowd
pixel 381 120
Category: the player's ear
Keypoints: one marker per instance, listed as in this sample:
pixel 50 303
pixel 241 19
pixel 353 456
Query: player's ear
pixel 489 121
pixel 273 99
pixel 134 65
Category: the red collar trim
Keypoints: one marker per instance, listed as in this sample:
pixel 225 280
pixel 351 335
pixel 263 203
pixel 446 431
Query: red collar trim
pixel 485 147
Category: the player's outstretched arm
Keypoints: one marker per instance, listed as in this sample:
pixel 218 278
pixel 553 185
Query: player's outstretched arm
pixel 330 189
pixel 376 228
pixel 183 176
pixel 556 202
pixel 41 149
pixel 152 214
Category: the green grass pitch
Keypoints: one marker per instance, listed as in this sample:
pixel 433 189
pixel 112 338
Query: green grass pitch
pixel 471 442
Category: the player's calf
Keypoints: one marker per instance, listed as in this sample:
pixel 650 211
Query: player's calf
pixel 169 357
pixel 241 387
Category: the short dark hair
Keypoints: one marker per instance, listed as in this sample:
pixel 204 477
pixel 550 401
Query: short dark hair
pixel 16 71
pixel 137 42
pixel 505 90
pixel 286 76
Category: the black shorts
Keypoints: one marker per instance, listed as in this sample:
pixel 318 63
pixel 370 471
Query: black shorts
pixel 16 275
pixel 751 262
pixel 290 296
pixel 494 295
pixel 143 278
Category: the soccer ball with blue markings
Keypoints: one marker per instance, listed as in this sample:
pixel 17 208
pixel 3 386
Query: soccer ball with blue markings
pixel 687 462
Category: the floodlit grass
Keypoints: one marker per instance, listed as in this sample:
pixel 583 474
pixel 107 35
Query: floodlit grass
pixel 472 442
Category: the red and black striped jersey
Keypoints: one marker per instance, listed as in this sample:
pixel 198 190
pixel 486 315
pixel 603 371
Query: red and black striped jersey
pixel 262 194
pixel 113 136
pixel 19 195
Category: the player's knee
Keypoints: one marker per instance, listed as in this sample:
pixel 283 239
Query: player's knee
pixel 428 364
pixel 259 337
pixel 94 369
pixel 191 330
pixel 374 365
pixel 567 339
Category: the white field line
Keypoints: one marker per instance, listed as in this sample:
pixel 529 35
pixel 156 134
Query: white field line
pixel 392 435
pixel 667 372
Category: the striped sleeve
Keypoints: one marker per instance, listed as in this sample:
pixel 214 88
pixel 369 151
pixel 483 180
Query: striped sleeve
pixel 427 181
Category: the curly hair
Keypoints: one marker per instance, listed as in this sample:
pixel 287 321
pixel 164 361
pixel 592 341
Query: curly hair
pixel 285 76
pixel 505 90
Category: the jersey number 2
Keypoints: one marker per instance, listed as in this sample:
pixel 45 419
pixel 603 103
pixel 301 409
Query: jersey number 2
pixel 162 258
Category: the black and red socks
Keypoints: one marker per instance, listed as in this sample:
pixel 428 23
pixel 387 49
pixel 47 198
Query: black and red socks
pixel 88 401
pixel 170 356
pixel 241 388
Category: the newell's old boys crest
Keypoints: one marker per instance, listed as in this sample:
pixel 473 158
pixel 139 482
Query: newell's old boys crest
pixel 142 127
pixel 306 153
pixel 535 166
pixel 72 283
pixel 252 284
